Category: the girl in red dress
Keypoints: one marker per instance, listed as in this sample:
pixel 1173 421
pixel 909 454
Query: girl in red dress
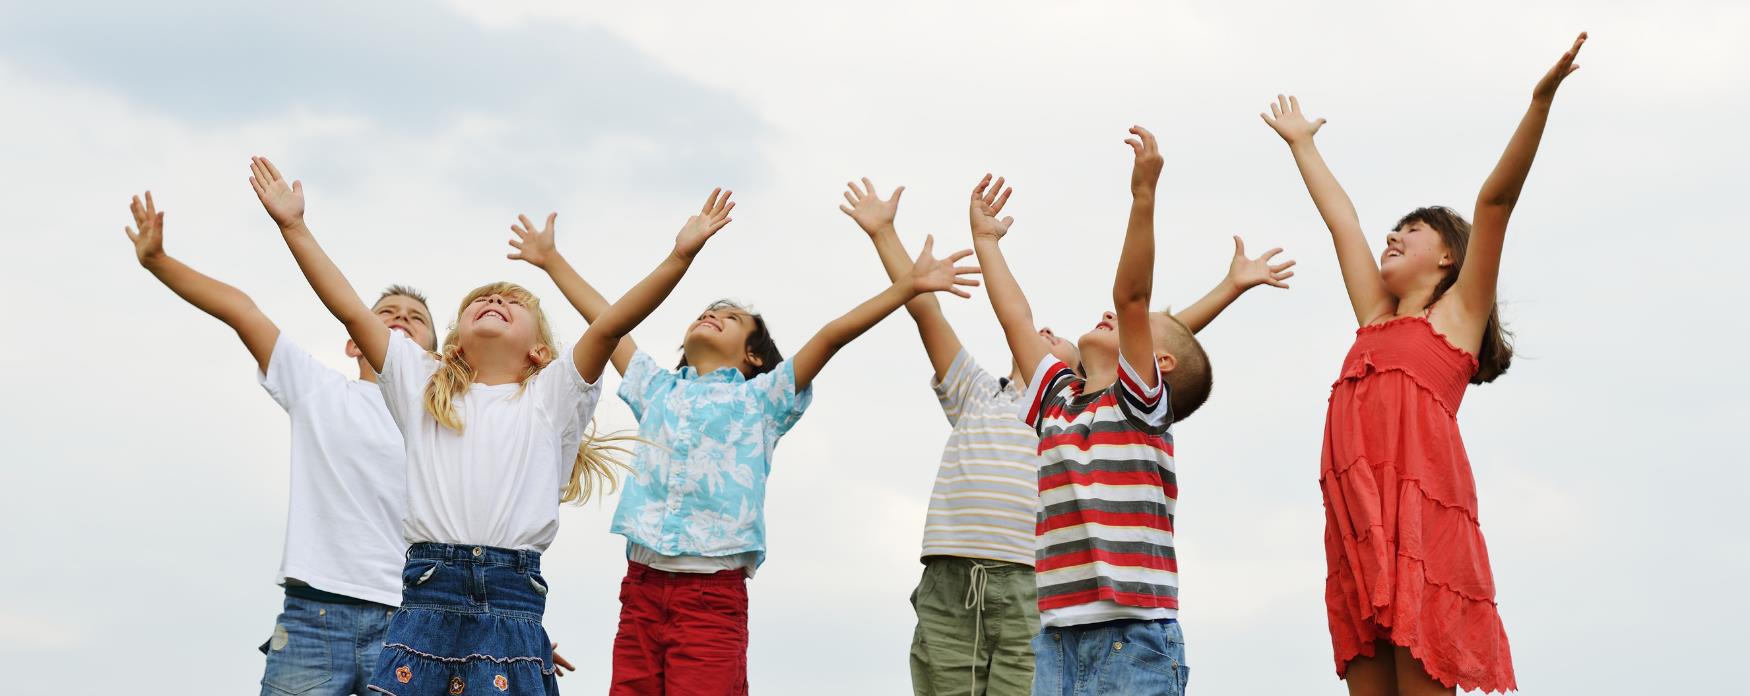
pixel 1408 591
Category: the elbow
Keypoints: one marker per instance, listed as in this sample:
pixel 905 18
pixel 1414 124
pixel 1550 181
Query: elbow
pixel 1128 297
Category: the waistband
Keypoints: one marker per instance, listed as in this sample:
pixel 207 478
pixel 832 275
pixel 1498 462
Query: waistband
pixel 639 571
pixel 1114 623
pixel 519 559
pixel 961 563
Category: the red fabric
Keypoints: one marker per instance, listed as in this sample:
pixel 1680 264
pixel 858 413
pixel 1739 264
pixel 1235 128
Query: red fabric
pixel 1405 558
pixel 681 634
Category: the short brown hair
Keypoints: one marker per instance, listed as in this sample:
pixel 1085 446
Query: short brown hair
pixel 408 292
pixel 1192 379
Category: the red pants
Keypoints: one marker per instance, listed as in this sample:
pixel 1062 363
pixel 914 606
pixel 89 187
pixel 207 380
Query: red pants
pixel 681 634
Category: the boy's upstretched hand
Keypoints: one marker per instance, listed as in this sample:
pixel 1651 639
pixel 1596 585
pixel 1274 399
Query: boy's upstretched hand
pixel 931 274
pixel 1145 174
pixel 1565 66
pixel 537 248
pixel 1287 120
pixel 699 228
pixel 149 241
pixel 988 200
pixel 871 213
pixel 1246 273
pixel 284 203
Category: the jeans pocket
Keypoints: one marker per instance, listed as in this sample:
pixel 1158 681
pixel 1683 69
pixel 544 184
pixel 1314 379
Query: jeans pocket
pixel 416 573
pixel 297 652
pixel 538 583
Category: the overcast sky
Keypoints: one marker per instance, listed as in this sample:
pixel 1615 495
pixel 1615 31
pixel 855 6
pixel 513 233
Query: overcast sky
pixel 143 475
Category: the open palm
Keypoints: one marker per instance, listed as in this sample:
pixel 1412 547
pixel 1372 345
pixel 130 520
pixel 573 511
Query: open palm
pixel 149 241
pixel 1246 273
pixel 532 246
pixel 871 212
pixel 931 274
pixel 284 202
pixel 699 228
pixel 1289 121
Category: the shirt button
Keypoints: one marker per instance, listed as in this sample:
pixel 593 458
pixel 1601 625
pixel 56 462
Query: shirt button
pixel 321 612
pixel 477 552
pixel 1117 645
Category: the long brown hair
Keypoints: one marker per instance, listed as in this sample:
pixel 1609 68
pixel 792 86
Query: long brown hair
pixel 595 455
pixel 1496 352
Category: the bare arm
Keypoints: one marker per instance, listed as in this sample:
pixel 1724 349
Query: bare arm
pixel 1475 286
pixel 1133 283
pixel 876 216
pixel 929 274
pixel 1367 292
pixel 1242 274
pixel 285 204
pixel 1006 299
pixel 605 333
pixel 223 302
pixel 539 250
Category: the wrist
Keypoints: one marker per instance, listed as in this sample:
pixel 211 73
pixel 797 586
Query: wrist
pixel 1142 196
pixel 295 226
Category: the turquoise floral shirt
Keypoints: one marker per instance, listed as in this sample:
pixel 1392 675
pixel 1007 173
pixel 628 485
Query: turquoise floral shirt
pixel 699 487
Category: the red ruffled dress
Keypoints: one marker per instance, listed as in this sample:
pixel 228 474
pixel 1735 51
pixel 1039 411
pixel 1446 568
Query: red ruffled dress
pixel 1405 558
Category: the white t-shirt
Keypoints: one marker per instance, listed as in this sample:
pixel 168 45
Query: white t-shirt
pixel 349 480
pixel 498 482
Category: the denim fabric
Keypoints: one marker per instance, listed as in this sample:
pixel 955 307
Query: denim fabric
pixel 1132 658
pixel 469 623
pixel 323 648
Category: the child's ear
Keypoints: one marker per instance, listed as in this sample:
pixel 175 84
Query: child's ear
pixel 540 355
pixel 1165 362
pixel 755 360
pixel 352 350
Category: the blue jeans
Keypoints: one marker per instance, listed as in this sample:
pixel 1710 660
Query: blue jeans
pixel 323 648
pixel 1133 658
pixel 469 622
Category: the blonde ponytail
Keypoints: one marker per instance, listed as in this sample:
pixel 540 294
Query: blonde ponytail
pixel 598 464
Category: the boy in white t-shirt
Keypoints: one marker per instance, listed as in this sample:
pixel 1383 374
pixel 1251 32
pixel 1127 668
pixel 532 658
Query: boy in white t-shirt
pixel 344 551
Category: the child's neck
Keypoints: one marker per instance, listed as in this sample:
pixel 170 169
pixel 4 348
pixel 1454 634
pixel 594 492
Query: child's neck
pixel 366 374
pixel 707 362
pixel 495 367
pixel 1098 373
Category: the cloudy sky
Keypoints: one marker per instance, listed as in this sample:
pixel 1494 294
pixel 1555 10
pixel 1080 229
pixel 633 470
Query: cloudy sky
pixel 143 476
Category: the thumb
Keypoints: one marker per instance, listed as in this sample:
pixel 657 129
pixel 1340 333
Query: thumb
pixel 1239 246
pixel 929 243
pixel 897 193
pixel 1320 122
pixel 1008 221
pixel 298 186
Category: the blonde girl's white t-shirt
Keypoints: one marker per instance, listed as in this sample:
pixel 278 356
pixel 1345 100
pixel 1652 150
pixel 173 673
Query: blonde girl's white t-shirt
pixel 348 480
pixel 498 481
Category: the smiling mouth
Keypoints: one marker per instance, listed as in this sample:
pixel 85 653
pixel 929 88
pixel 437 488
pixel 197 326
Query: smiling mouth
pixel 502 316
pixel 1104 326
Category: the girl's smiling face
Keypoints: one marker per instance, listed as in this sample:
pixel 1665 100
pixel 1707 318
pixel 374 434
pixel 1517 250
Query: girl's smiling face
pixel 1415 255
pixel 498 317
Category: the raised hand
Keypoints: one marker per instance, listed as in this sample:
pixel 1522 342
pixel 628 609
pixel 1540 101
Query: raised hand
pixel 1287 120
pixel 986 206
pixel 871 213
pixel 1246 273
pixel 1146 173
pixel 931 274
pixel 1565 66
pixel 699 228
pixel 149 241
pixel 284 203
pixel 531 246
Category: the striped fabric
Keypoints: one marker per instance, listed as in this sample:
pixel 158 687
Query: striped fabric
pixel 986 495
pixel 1107 491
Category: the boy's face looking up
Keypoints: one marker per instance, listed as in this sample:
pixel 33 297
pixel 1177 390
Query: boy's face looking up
pixel 1061 349
pixel 720 332
pixel 409 316
pixel 1102 339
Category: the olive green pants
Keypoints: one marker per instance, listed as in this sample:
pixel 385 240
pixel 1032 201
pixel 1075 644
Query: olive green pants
pixel 976 622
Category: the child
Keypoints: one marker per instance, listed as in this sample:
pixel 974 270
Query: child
pixel 693 516
pixel 976 604
pixel 1107 575
pixel 495 431
pixel 349 480
pixel 1409 594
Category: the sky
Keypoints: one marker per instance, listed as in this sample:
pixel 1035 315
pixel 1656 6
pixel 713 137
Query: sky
pixel 143 477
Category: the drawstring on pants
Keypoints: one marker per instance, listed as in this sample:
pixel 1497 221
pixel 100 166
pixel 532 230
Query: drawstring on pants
pixel 980 574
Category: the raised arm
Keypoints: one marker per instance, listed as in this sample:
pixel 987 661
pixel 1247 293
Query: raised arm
pixel 539 249
pixel 928 274
pixel 875 216
pixel 1133 284
pixel 1006 299
pixel 1367 292
pixel 285 204
pixel 1242 274
pixel 223 302
pixel 606 332
pixel 1475 286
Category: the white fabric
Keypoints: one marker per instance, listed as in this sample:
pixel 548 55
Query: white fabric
pixel 643 555
pixel 348 480
pixel 498 482
pixel 1101 610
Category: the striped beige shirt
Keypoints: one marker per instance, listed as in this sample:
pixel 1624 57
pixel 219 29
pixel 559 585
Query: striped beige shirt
pixel 986 499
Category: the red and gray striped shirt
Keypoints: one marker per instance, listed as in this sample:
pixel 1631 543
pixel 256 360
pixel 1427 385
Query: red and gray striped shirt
pixel 1107 492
